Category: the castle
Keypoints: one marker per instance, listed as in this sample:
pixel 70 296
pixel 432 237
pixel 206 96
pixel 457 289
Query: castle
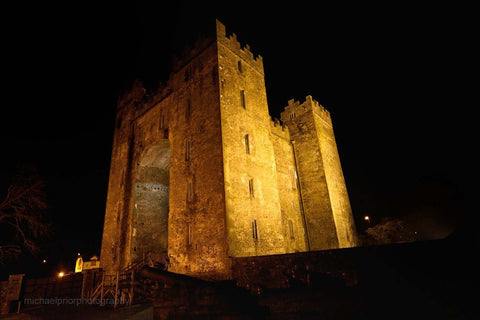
pixel 200 171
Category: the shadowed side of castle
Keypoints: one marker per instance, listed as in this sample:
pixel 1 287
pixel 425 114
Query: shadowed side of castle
pixel 200 172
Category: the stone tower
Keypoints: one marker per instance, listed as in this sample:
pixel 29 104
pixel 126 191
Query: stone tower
pixel 200 172
pixel 323 192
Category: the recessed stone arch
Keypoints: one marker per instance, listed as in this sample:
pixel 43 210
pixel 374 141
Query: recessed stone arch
pixel 151 204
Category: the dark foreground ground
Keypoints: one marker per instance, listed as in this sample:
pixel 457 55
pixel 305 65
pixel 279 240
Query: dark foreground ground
pixel 66 312
pixel 424 280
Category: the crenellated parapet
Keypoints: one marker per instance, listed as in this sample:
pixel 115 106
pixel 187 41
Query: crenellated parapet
pixel 279 129
pixel 132 96
pixel 295 109
pixel 190 52
pixel 232 43
pixel 164 89
pixel 137 99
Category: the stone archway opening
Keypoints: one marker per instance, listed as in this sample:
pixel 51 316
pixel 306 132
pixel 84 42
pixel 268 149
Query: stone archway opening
pixel 150 210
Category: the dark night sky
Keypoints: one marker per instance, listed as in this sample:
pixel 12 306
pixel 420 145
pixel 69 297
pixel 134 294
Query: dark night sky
pixel 388 75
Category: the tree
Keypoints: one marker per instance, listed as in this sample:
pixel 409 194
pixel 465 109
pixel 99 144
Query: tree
pixel 389 230
pixel 22 219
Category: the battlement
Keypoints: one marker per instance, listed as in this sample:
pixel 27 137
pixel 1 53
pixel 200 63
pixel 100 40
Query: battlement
pixel 280 129
pixel 133 95
pixel 137 98
pixel 295 109
pixel 232 43
pixel 189 52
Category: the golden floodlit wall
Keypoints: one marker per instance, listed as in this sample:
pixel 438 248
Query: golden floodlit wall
pixel 200 172
pixel 328 216
pixel 254 220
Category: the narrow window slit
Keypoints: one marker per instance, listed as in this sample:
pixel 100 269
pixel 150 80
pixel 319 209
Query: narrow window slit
pixel 254 230
pixel 187 150
pixel 242 99
pixel 290 228
pixel 251 189
pixel 189 192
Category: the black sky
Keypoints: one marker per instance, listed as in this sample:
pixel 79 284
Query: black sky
pixel 387 73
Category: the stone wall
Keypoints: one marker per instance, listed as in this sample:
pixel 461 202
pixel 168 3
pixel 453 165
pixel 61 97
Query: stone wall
pixel 199 170
pixel 337 190
pixel 184 114
pixel 253 212
pixel 320 226
pixel 197 228
pixel 289 196
pixel 293 269
pixel 323 191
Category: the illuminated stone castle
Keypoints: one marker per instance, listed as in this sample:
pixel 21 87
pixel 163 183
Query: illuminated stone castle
pixel 200 171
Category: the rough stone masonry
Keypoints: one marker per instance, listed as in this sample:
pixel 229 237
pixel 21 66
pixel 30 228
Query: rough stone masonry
pixel 201 173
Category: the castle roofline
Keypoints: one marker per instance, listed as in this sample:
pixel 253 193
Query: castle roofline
pixel 232 43
pixel 297 108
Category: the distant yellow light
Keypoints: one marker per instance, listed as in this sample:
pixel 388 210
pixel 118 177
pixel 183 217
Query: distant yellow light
pixel 79 265
pixel 367 218
pixel 44 261
pixel 61 274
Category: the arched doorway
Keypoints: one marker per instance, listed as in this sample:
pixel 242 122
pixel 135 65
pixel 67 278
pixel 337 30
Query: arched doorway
pixel 150 210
